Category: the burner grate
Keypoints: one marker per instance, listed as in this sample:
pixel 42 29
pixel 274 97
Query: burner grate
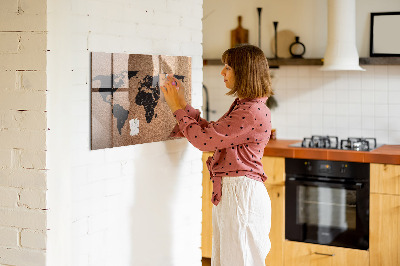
pixel 358 144
pixel 327 142
pixel 332 142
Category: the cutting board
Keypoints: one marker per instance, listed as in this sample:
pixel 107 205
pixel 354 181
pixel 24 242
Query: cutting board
pixel 239 35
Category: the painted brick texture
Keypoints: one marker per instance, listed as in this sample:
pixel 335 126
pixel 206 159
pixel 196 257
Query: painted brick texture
pixel 23 132
pixel 134 205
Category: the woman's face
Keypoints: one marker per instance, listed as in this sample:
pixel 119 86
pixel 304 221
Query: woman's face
pixel 229 76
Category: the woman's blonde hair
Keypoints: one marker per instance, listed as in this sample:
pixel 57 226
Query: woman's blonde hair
pixel 250 66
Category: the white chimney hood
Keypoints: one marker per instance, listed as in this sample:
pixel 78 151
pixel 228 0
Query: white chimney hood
pixel 341 51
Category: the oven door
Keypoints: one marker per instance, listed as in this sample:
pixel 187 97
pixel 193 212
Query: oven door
pixel 327 213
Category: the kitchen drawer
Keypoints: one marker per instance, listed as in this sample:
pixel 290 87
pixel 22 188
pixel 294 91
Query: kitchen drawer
pixel 305 254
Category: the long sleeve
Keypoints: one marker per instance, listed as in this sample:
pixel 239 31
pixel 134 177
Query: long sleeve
pixel 231 130
pixel 193 113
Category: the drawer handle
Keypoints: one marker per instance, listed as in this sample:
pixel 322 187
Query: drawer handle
pixel 324 254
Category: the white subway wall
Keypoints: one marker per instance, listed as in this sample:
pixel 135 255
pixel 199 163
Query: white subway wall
pixel 343 104
pixel 133 205
pixel 313 102
pixel 23 133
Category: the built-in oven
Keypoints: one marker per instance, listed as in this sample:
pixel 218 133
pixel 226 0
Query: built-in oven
pixel 327 202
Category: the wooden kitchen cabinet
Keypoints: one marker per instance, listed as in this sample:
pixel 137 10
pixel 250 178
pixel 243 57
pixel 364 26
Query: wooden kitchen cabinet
pixel 385 215
pixel 277 233
pixel 384 236
pixel 206 225
pixel 274 168
pixel 385 178
pixel 305 254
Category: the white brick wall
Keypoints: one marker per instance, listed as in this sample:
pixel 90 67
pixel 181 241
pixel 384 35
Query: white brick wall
pixel 23 132
pixel 9 237
pixel 33 239
pixel 8 197
pixel 134 205
pixel 11 256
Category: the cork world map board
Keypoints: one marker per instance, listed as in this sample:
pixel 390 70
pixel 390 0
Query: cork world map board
pixel 127 104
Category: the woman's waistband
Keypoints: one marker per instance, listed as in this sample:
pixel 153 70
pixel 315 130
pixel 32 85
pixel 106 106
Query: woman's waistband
pixel 236 179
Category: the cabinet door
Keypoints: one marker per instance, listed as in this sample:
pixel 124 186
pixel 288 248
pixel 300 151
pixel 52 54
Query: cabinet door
pixel 274 168
pixel 385 178
pixel 206 226
pixel 277 233
pixel 304 254
pixel 384 230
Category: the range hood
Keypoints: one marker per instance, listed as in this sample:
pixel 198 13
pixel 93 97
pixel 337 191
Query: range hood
pixel 341 51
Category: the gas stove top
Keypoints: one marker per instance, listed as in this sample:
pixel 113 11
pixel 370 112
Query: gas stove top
pixel 332 142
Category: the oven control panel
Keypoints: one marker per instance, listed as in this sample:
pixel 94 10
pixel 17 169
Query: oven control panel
pixel 337 169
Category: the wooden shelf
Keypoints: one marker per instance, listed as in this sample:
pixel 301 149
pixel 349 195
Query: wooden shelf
pixel 274 63
pixel 212 62
pixel 380 61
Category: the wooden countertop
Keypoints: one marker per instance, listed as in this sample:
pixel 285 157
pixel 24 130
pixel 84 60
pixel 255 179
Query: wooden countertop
pixel 389 154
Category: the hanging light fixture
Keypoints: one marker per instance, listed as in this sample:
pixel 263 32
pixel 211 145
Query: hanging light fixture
pixel 341 51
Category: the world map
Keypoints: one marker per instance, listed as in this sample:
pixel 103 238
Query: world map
pixel 148 96
pixel 122 95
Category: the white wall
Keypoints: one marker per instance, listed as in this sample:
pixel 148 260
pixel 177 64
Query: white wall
pixel 23 133
pixel 134 205
pixel 306 19
pixel 311 102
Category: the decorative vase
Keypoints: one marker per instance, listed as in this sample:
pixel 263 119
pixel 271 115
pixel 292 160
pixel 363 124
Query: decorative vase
pixel 297 49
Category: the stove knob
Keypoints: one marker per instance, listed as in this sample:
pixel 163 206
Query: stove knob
pixel 343 168
pixel 308 166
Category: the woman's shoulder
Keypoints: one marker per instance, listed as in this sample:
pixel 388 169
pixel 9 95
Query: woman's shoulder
pixel 257 110
pixel 257 104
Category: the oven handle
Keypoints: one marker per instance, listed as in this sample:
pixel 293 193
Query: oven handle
pixel 357 185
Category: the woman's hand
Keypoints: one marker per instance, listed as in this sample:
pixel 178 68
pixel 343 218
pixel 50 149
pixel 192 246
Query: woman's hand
pixel 174 96
pixel 181 92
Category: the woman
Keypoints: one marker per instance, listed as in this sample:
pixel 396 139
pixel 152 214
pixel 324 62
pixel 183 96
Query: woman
pixel 242 208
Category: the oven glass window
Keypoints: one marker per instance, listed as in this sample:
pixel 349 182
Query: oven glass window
pixel 326 207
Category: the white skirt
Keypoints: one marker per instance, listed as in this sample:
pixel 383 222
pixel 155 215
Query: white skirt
pixel 241 223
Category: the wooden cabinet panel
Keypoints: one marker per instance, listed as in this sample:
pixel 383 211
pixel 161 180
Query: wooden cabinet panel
pixel 384 230
pixel 304 254
pixel 277 233
pixel 206 226
pixel 274 168
pixel 385 178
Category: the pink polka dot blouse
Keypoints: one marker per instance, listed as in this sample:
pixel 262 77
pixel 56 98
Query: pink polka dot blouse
pixel 238 139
